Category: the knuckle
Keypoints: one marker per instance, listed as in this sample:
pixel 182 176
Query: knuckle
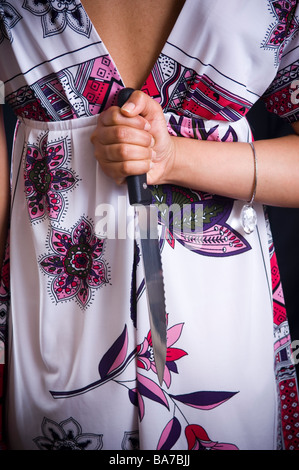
pixel 156 107
pixel 150 140
pixel 93 138
pixel 126 166
pixel 96 137
pixel 99 156
pixel 121 134
pixel 102 119
pixel 114 115
pixel 123 151
pixel 138 94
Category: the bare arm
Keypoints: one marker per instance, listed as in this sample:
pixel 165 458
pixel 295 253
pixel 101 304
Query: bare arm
pixel 228 169
pixel 4 188
pixel 124 145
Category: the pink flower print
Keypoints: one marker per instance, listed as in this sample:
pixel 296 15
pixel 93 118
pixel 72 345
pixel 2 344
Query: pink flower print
pixel 47 179
pixel 76 263
pixel 284 27
pixel 145 357
pixel 146 388
pixel 198 439
pixel 186 126
pixel 198 221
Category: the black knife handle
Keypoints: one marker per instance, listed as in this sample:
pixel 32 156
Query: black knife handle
pixel 139 192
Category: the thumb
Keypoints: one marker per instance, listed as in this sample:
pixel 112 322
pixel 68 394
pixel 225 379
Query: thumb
pixel 140 103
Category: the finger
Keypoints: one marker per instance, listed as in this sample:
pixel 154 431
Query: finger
pixel 120 170
pixel 124 134
pixel 118 153
pixel 114 117
pixel 141 104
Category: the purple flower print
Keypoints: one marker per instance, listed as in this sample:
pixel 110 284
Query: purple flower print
pixel 145 358
pixel 75 264
pixel 47 179
pixel 117 359
pixel 198 221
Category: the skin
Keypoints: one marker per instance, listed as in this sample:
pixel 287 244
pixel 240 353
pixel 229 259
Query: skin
pixel 134 32
pixel 124 146
pixel 135 140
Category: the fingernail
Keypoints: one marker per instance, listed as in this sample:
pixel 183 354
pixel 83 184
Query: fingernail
pixel 147 126
pixel 128 107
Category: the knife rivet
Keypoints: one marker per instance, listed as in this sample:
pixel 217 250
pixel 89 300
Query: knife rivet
pixel 144 185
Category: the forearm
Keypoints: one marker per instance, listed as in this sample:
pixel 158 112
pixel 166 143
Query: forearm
pixel 4 189
pixel 135 140
pixel 227 169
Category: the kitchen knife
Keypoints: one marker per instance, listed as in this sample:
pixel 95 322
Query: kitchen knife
pixel 140 196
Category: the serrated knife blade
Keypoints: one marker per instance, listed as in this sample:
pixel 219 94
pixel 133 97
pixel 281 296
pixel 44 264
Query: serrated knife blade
pixel 140 196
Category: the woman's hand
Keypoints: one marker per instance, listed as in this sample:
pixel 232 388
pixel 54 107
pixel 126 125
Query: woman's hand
pixel 133 140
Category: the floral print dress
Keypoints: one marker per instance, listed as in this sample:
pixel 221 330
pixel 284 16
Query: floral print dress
pixel 74 319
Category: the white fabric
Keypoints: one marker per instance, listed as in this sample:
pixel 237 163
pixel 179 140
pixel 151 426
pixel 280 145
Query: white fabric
pixel 219 304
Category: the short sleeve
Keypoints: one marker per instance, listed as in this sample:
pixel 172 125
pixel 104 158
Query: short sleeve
pixel 282 96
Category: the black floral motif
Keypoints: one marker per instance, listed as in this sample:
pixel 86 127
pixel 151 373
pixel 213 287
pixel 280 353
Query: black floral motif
pixel 67 435
pixel 56 15
pixel 130 441
pixel 9 17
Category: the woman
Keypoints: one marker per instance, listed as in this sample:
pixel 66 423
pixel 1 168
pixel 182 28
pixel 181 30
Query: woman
pixel 81 373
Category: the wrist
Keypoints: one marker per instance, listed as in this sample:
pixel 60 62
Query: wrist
pixel 180 170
